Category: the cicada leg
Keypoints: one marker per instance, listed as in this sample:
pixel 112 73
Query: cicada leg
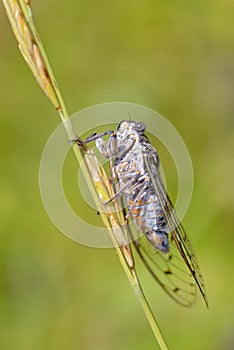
pixel 118 150
pixel 94 136
pixel 128 186
pixel 138 196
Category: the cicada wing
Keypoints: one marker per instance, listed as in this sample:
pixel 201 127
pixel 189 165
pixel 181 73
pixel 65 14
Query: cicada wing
pixel 177 271
pixel 168 270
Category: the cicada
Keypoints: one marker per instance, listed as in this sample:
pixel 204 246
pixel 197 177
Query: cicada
pixel 163 246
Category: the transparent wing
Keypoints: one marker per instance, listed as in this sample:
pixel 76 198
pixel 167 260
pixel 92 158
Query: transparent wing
pixel 177 272
pixel 168 270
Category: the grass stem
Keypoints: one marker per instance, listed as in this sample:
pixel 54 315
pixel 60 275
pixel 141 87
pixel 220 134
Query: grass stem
pixel 21 19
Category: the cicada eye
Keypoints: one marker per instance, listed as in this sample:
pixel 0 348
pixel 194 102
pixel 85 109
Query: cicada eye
pixel 140 126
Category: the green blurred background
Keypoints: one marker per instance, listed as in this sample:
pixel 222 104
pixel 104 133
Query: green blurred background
pixel 175 57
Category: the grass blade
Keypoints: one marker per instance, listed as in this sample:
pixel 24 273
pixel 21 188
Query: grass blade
pixel 20 16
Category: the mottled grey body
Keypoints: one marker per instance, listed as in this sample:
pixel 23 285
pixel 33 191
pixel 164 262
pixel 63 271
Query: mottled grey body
pixel 135 165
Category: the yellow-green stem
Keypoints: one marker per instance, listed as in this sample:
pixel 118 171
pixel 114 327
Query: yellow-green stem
pixel 20 17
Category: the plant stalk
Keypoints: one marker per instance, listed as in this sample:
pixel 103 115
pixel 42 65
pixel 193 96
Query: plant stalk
pixel 20 16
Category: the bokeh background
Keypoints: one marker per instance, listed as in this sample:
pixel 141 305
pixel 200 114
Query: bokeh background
pixel 175 57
